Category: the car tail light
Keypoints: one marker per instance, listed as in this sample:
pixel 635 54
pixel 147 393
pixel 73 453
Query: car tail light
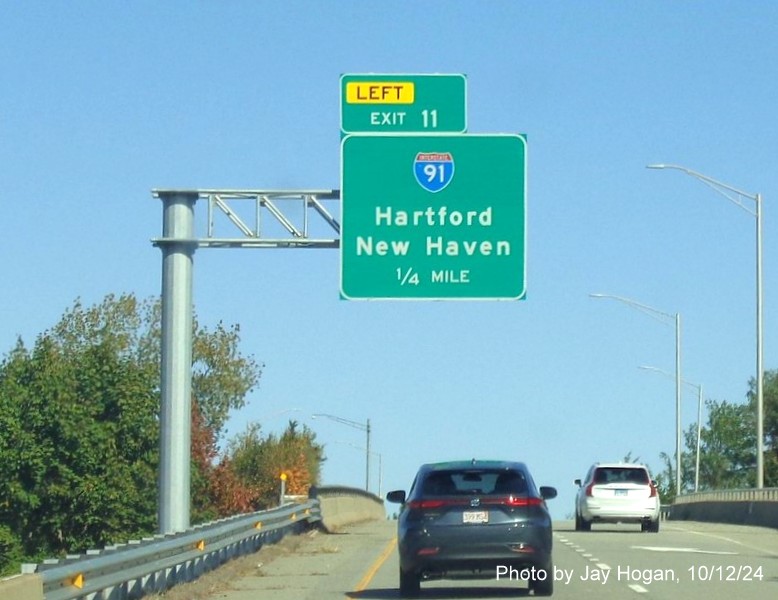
pixel 425 504
pixel 524 501
pixel 514 501
pixel 589 489
pixel 432 504
pixel 428 551
pixel 653 492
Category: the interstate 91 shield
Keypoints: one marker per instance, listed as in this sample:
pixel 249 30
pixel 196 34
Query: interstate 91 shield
pixel 433 170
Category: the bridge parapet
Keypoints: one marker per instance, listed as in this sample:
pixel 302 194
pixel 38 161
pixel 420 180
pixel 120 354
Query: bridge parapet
pixel 343 506
pixel 741 507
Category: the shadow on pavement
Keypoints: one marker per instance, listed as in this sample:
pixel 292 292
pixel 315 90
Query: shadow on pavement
pixel 442 593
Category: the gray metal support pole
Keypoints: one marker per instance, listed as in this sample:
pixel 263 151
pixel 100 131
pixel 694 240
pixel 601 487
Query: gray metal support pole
pixel 699 436
pixel 367 457
pixel 759 350
pixel 678 434
pixel 176 369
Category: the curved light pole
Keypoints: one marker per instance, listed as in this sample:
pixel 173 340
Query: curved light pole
pixel 723 189
pixel 380 461
pixel 658 314
pixel 278 413
pixel 355 424
pixel 698 386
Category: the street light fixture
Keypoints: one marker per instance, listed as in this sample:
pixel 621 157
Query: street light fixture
pixel 357 425
pixel 722 189
pixel 658 314
pixel 698 386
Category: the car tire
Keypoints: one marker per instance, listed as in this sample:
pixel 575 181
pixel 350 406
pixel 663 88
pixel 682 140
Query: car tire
pixel 585 525
pixel 543 587
pixel 410 584
pixel 577 522
pixel 653 526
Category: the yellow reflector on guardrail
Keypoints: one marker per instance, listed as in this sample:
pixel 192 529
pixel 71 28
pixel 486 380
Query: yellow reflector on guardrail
pixel 78 581
pixel 200 545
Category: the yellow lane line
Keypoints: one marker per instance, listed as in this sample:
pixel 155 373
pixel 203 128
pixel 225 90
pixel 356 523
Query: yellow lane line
pixel 365 581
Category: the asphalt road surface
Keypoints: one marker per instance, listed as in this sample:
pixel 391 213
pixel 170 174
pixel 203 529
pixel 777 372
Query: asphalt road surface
pixel 685 560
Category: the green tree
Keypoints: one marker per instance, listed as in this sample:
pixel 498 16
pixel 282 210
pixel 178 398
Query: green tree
pixel 770 402
pixel 727 448
pixel 666 480
pixel 79 423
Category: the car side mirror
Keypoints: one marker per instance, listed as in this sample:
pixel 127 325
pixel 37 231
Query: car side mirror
pixel 577 482
pixel 397 496
pixel 547 492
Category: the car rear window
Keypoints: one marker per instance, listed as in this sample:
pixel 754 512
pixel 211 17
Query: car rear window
pixel 621 475
pixel 474 481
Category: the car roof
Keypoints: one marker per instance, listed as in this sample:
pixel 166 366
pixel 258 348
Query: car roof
pixel 472 464
pixel 622 465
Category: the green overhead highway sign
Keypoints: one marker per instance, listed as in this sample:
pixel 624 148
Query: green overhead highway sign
pixel 434 217
pixel 380 103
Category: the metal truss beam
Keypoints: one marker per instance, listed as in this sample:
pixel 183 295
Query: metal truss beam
pixel 264 218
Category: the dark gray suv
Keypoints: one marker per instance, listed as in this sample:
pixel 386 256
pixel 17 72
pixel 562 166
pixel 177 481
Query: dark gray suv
pixel 474 519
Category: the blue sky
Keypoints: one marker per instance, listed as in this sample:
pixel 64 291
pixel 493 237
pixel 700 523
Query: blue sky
pixel 104 101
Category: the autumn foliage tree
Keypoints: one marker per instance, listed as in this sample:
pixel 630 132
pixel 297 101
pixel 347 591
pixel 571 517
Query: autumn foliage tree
pixel 259 461
pixel 217 491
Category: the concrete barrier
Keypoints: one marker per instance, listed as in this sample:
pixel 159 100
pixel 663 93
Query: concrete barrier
pixel 22 587
pixel 342 506
pixel 739 507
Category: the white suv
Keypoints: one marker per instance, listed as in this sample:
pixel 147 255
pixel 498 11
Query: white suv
pixel 617 493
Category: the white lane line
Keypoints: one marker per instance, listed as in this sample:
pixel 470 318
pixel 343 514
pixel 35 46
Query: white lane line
pixel 603 566
pixel 689 550
pixel 726 539
pixel 587 555
pixel 637 588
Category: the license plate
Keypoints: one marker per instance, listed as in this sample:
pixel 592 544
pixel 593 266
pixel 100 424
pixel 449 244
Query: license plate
pixel 475 516
pixel 621 492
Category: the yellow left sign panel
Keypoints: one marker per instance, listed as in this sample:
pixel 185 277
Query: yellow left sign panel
pixel 379 92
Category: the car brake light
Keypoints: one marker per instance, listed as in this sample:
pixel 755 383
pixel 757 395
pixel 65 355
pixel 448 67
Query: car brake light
pixel 425 504
pixel 653 491
pixel 524 501
pixel 438 503
pixel 514 501
pixel 589 489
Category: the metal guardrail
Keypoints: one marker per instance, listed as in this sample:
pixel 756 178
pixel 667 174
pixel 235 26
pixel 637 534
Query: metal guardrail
pixel 744 495
pixel 155 564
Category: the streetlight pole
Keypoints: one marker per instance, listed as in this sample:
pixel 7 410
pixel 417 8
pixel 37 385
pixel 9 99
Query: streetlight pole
pixel 722 189
pixel 677 319
pixel 380 461
pixel 361 426
pixel 698 386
